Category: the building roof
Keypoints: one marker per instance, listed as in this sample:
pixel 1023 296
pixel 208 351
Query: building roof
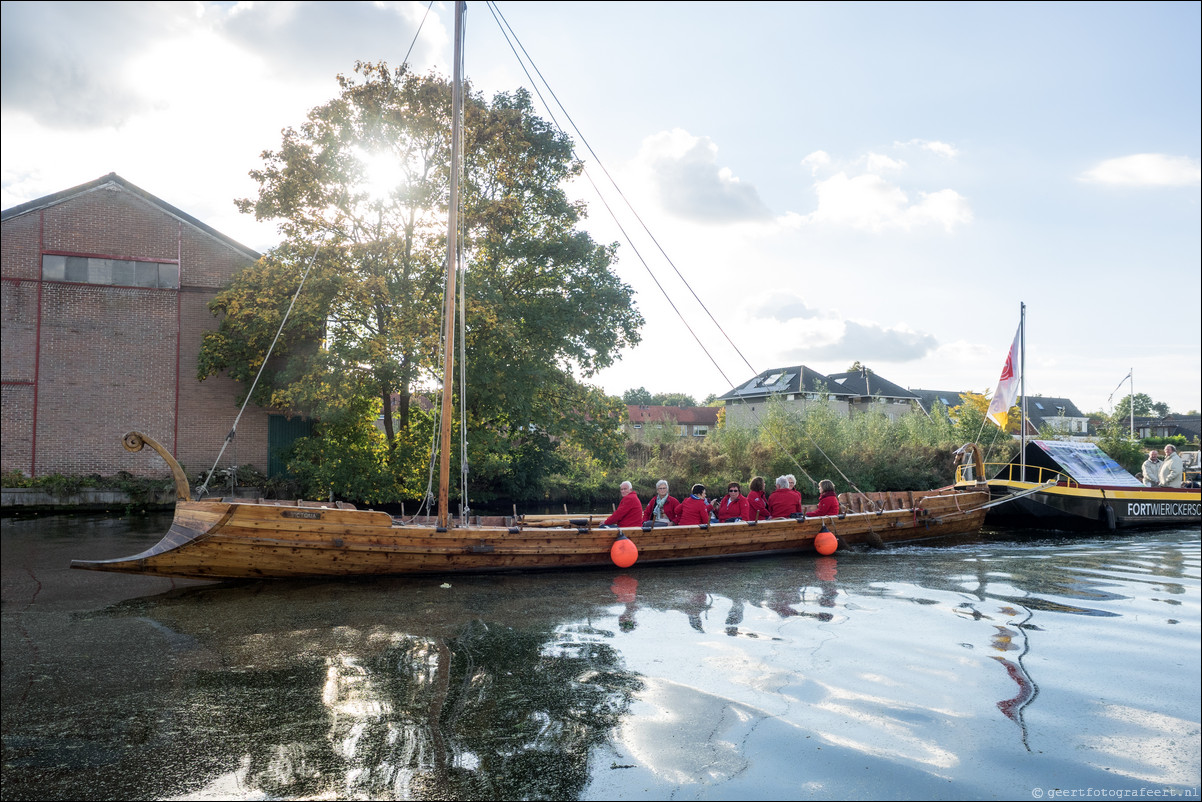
pixel 866 384
pixel 795 379
pixel 949 398
pixel 114 181
pixel 696 416
pixel 1188 426
pixel 1042 407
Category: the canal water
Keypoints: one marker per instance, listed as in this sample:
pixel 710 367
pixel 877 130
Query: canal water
pixel 1002 666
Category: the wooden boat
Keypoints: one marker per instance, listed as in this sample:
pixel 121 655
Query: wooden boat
pixel 1056 484
pixel 245 538
pixel 240 538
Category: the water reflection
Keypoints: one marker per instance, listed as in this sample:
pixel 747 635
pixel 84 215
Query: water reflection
pixel 403 698
pixel 937 670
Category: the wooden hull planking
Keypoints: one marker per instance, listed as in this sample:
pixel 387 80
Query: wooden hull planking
pixel 242 540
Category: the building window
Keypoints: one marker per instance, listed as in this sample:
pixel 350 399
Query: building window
pixel 684 431
pixel 701 431
pixel 110 272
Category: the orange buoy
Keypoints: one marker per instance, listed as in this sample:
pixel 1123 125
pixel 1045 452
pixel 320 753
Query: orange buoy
pixel 623 552
pixel 825 542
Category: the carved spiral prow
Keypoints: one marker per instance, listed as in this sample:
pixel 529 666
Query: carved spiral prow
pixel 973 465
pixel 135 441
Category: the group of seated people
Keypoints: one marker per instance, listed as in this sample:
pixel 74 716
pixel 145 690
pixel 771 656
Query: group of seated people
pixel 666 510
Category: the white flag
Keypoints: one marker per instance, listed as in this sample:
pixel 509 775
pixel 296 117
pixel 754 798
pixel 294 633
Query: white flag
pixel 1007 387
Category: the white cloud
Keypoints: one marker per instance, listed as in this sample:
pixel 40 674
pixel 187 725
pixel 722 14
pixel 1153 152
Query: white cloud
pixel 816 161
pixel 879 163
pixel 1147 170
pixel 870 202
pixel 692 185
pixel 934 146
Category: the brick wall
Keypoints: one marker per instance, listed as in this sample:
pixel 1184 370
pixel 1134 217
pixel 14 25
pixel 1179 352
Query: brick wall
pixel 103 360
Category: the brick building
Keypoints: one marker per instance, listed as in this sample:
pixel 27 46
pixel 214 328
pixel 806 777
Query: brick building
pixel 643 419
pixel 105 301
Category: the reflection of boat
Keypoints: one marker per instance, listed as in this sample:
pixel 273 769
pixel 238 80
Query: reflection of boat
pixel 236 538
pixel 1087 490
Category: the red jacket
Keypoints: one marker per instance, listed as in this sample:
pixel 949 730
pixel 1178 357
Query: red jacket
pixel 692 511
pixel 670 508
pixel 828 505
pixel 727 509
pixel 628 513
pixel 784 502
pixel 757 506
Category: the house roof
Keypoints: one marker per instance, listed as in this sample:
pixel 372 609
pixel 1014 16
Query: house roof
pixel 114 181
pixel 866 384
pixel 1188 426
pixel 795 379
pixel 696 416
pixel 949 398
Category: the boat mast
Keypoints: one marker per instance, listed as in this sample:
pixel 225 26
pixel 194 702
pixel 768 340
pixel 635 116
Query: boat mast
pixel 1022 383
pixel 444 473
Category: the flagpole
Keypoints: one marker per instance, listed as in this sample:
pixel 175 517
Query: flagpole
pixel 1131 376
pixel 1022 383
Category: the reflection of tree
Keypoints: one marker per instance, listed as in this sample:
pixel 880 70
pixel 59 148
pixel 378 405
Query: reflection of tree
pixel 493 712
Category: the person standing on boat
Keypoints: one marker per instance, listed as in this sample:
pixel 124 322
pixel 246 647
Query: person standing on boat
pixel 757 502
pixel 733 506
pixel 693 510
pixel 630 509
pixel 1170 467
pixel 828 501
pixel 663 508
pixel 783 503
pixel 1152 469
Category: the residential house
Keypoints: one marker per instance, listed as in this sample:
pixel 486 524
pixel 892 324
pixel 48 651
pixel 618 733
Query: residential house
pixel 1060 415
pixel 643 421
pixel 928 399
pixel 866 391
pixel 1187 426
pixel 797 387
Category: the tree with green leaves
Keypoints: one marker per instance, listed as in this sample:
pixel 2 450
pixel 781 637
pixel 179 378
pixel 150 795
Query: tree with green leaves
pixel 359 192
pixel 1144 407
pixel 673 400
pixel 639 397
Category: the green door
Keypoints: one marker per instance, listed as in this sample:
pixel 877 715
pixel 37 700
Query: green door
pixel 282 432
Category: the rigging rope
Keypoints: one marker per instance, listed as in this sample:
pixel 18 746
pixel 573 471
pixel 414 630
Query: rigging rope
pixel 204 488
pixel 524 57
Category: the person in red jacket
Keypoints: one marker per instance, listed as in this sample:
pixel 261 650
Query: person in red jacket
pixel 828 502
pixel 757 502
pixel 630 509
pixel 783 502
pixel 693 510
pixel 663 508
pixel 733 506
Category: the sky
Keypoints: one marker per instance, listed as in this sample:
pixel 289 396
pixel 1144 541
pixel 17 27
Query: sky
pixel 836 182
